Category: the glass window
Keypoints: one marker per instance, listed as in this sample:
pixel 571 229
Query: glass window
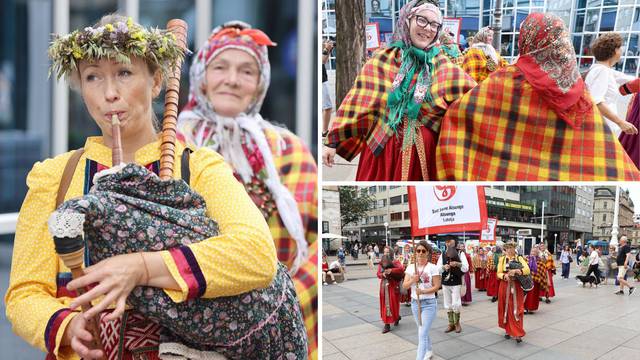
pixel 594 3
pixel 579 24
pixel 625 15
pixel 608 20
pixel 591 21
pixel 520 16
pixel 577 40
pixel 508 3
pixel 325 227
pixel 506 45
pixel 537 2
pixel 587 40
pixel 631 66
pixel 633 45
pixel 522 3
pixel 507 21
pixel 610 2
pixel 405 197
pixel 395 200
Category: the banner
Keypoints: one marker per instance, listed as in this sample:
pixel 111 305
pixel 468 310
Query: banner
pixel 452 26
pixel 373 37
pixel 437 209
pixel 489 233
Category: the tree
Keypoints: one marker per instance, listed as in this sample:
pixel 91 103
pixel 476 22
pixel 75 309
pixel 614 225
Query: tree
pixel 350 45
pixel 354 204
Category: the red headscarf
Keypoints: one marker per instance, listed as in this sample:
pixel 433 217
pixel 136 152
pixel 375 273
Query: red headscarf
pixel 548 61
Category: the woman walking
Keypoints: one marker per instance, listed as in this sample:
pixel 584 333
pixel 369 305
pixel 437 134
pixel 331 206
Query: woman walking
pixel 511 295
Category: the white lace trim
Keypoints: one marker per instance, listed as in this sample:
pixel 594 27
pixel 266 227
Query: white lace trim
pixel 175 351
pixel 66 224
pixel 109 171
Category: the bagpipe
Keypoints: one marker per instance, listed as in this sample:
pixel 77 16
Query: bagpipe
pixel 130 209
pixel 526 282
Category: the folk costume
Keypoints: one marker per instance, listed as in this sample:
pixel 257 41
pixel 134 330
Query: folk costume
pixel 550 266
pixel 451 284
pixel 481 59
pixel 275 166
pixel 479 262
pixel 391 117
pixel 465 297
pixel 511 298
pixel 492 278
pixel 390 290
pixel 630 142
pixel 450 48
pixel 533 121
pixel 539 274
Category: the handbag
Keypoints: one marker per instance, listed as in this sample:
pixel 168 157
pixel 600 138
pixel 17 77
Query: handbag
pixel 570 259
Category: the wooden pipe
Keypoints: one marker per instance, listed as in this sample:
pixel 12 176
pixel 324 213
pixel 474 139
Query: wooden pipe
pixel 116 151
pixel 71 251
pixel 170 121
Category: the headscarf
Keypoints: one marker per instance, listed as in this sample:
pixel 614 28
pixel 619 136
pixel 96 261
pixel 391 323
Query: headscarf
pixel 405 98
pixel 449 46
pixel 548 62
pixel 231 135
pixel 481 41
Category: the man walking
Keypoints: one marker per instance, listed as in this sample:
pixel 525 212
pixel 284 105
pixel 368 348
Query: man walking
pixel 452 265
pixel 623 263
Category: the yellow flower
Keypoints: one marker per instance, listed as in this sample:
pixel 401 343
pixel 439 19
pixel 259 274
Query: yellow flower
pixel 129 22
pixel 137 35
pixel 77 53
pixel 109 27
pixel 161 50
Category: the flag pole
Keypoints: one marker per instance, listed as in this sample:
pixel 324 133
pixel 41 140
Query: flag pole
pixel 415 264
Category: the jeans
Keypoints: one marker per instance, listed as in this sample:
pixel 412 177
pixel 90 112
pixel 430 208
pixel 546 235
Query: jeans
pixel 428 308
pixel 565 270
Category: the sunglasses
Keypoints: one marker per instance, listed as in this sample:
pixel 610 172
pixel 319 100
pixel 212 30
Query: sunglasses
pixel 421 251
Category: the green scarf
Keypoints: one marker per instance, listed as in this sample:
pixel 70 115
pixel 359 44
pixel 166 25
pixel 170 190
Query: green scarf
pixel 401 100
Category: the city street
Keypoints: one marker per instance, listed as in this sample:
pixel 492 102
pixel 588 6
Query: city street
pixel 579 323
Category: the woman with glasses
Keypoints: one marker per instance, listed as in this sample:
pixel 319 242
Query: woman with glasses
pixel 391 117
pixel 424 281
pixel 481 59
pixel 534 120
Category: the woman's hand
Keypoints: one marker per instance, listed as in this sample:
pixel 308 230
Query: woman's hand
pixel 628 128
pixel 115 277
pixel 328 155
pixel 77 335
pixel 415 279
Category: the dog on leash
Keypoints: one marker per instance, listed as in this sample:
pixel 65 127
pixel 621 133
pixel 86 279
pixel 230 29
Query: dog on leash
pixel 591 280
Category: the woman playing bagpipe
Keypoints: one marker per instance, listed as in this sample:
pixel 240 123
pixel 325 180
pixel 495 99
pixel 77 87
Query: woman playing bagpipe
pixel 511 294
pixel 229 79
pixel 390 272
pixel 176 271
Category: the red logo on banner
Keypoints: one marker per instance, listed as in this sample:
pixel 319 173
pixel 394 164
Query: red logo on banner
pixel 444 193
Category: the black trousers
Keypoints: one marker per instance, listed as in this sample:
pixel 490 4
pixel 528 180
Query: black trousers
pixel 594 269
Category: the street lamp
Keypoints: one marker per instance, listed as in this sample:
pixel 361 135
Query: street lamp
pixel 386 232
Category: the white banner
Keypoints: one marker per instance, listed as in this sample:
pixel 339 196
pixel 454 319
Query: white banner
pixel 489 234
pixel 437 209
pixel 452 26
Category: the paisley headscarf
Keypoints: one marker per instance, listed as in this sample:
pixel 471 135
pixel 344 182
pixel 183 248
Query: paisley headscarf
pixel 481 41
pixel 230 135
pixel 548 62
pixel 405 98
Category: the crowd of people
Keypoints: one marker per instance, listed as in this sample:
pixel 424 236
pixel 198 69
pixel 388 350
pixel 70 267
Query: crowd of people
pixel 518 283
pixel 422 110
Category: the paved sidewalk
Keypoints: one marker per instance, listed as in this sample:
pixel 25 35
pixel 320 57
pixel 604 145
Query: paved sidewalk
pixel 580 323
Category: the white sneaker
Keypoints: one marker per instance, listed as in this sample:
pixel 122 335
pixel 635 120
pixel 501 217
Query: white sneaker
pixel 324 283
pixel 428 355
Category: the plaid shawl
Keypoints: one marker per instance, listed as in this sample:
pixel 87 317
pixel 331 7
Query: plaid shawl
pixel 474 63
pixel 503 130
pixel 359 120
pixel 540 276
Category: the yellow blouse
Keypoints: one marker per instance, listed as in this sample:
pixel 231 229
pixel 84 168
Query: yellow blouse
pixel 240 259
pixel 502 264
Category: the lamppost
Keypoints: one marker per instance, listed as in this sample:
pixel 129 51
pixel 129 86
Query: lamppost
pixel 555 241
pixel 362 238
pixel 386 233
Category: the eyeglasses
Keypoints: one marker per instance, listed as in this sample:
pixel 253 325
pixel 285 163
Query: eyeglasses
pixel 422 22
pixel 421 251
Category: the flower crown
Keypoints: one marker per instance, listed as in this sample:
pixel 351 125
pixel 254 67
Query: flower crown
pixel 119 41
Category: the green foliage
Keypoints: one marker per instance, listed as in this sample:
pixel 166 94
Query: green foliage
pixel 354 204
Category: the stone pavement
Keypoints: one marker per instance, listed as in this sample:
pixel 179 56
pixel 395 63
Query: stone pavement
pixel 580 323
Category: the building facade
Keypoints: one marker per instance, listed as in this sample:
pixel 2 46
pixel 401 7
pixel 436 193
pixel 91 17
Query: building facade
pixel 603 213
pixel 582 223
pixel 559 207
pixel 514 216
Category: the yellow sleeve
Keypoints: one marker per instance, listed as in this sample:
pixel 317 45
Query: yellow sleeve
pixel 35 313
pixel 500 267
pixel 242 257
pixel 525 266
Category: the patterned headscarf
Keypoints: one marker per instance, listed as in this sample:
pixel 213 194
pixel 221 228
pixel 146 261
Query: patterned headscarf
pixel 449 46
pixel 548 61
pixel 481 41
pixel 229 135
pixel 405 98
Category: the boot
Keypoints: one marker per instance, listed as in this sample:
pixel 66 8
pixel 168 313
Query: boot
pixel 451 322
pixel 456 319
pixel 387 328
